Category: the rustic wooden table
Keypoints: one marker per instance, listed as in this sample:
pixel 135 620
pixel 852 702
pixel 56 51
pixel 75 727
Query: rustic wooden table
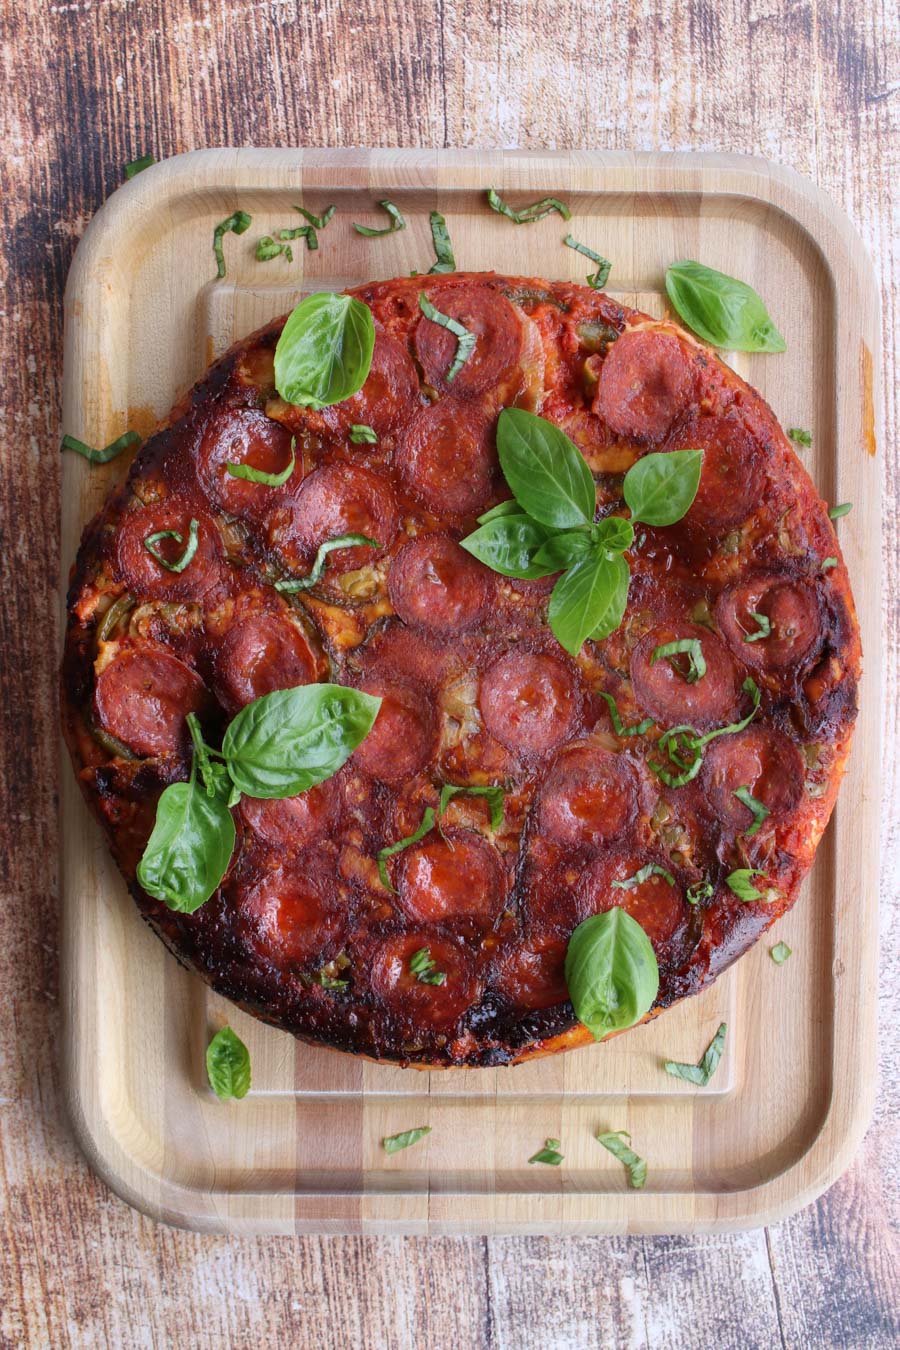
pixel 87 86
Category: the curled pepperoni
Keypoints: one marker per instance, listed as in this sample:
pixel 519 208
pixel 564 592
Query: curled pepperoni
pixel 406 996
pixel 588 797
pixel 645 383
pixel 389 397
pixel 293 822
pixel 404 737
pixel 769 766
pixel 149 579
pixel 260 654
pixel 435 584
pixel 660 687
pixel 448 458
pixel 334 500
pixel 290 915
pixel 498 340
pixel 533 974
pixel 143 697
pixel 659 907
pixel 244 436
pixel 791 608
pixel 459 877
pixel 529 702
pixel 731 479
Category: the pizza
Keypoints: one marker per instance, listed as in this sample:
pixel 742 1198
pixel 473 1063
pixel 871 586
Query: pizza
pixel 513 780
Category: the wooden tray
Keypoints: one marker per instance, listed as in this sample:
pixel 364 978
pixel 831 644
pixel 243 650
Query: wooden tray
pixel 782 1117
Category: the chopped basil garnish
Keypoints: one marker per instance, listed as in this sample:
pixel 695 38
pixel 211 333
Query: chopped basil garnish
pixel 235 224
pixel 324 353
pixel 701 1073
pixel 842 509
pixel 684 745
pixel 190 548
pixel 393 1143
pixel 251 475
pixel 611 972
pixel 689 647
pixel 317 222
pixel 615 1142
pixel 724 311
pixel 644 874
pixel 426 824
pixel 108 452
pixel 596 279
pixel 308 231
pixel 780 953
pixel 828 563
pixel 267 249
pixel 465 341
pixel 741 883
pixel 763 627
pixel 329 982
pixel 423 967
pixel 137 166
pixel 228 1065
pixel 701 890
pixel 549 1154
pixel 292 586
pixel 360 434
pixel 493 796
pixel 442 247
pixel 638 729
pixel 528 214
pixel 397 223
pixel 800 436
pixel 759 811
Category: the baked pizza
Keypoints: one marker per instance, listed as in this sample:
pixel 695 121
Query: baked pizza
pixel 466 669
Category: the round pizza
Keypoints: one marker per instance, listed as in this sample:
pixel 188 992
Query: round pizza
pixel 465 670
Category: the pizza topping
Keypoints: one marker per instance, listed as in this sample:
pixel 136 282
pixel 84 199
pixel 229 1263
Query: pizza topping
pixel 661 689
pixel 141 697
pixel 645 383
pixel 263 652
pixel 335 500
pixel 731 482
pixel 388 398
pixel 588 797
pixel 446 879
pixel 788 609
pixel 168 525
pixel 290 915
pixel 293 822
pixel 767 766
pixel 533 972
pixel 405 994
pixel 434 584
pixel 647 892
pixel 491 320
pixel 449 459
pixel 404 737
pixel 246 438
pixel 529 702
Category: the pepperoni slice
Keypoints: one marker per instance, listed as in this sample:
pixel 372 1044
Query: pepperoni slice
pixel 143 697
pixel 262 653
pixel 661 690
pixel 529 702
pixel 645 383
pixel 769 766
pixel 244 436
pixel 498 340
pixel 533 974
pixel 290 916
pixel 448 458
pixel 459 877
pixel 404 737
pixel 658 907
pixel 389 397
pixel 588 797
pixel 435 584
pixel 731 480
pixel 792 609
pixel 293 822
pixel 334 500
pixel 439 1005
pixel 146 577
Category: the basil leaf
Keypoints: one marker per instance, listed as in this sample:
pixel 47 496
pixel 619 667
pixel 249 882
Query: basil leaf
pixel 188 853
pixel 425 824
pixel 660 487
pixel 614 1141
pixel 562 550
pixel 842 509
pixel 292 739
pixel 360 434
pixel 508 544
pixel 780 953
pixel 228 1065
pixel 423 967
pixel 589 601
pixel 741 883
pixel 442 247
pixel 611 972
pixel 465 341
pixel 100 456
pixel 597 279
pixel 397 223
pixel 547 473
pixel 613 534
pixel 528 214
pixel 289 586
pixel 508 508
pixel 251 475
pixel 799 436
pixel 393 1143
pixel 639 728
pixel 324 353
pixel 701 1073
pixel 724 311
pixel 493 796
pixel 759 811
pixel 689 647
pixel 644 874
pixel 237 223
pixel 548 1154
pixel 136 166
pixel 763 627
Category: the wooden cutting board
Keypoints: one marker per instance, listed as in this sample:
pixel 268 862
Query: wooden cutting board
pixel 302 1153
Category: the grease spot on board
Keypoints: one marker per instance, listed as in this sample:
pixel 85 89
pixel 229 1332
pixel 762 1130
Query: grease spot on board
pixel 868 400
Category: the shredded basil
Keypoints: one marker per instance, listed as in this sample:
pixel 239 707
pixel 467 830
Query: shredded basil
pixel 442 247
pixel 465 341
pixel 701 890
pixel 596 279
pixel 684 740
pixel 493 795
pixel 108 452
pixel 780 953
pixel 528 214
pixel 759 811
pixel 801 437
pixel 397 223
pixel 360 434
pixel 426 824
pixel 701 1073
pixel 764 627
pixel 424 968
pixel 689 647
pixel 237 223
pixel 137 166
pixel 267 249
pixel 644 874
pixel 190 548
pixel 614 1141
pixel 393 1143
pixel 549 1154
pixel 293 585
pixel 308 231
pixel 828 563
pixel 251 475
pixel 637 729
pixel 741 883
pixel 317 222
pixel 842 509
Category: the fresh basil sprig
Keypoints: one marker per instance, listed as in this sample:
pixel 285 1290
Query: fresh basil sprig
pixel 726 312
pixel 228 1065
pixel 611 972
pixel 701 1073
pixel 324 353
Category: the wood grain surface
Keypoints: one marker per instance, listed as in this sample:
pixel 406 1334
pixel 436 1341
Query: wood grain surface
pixel 87 86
